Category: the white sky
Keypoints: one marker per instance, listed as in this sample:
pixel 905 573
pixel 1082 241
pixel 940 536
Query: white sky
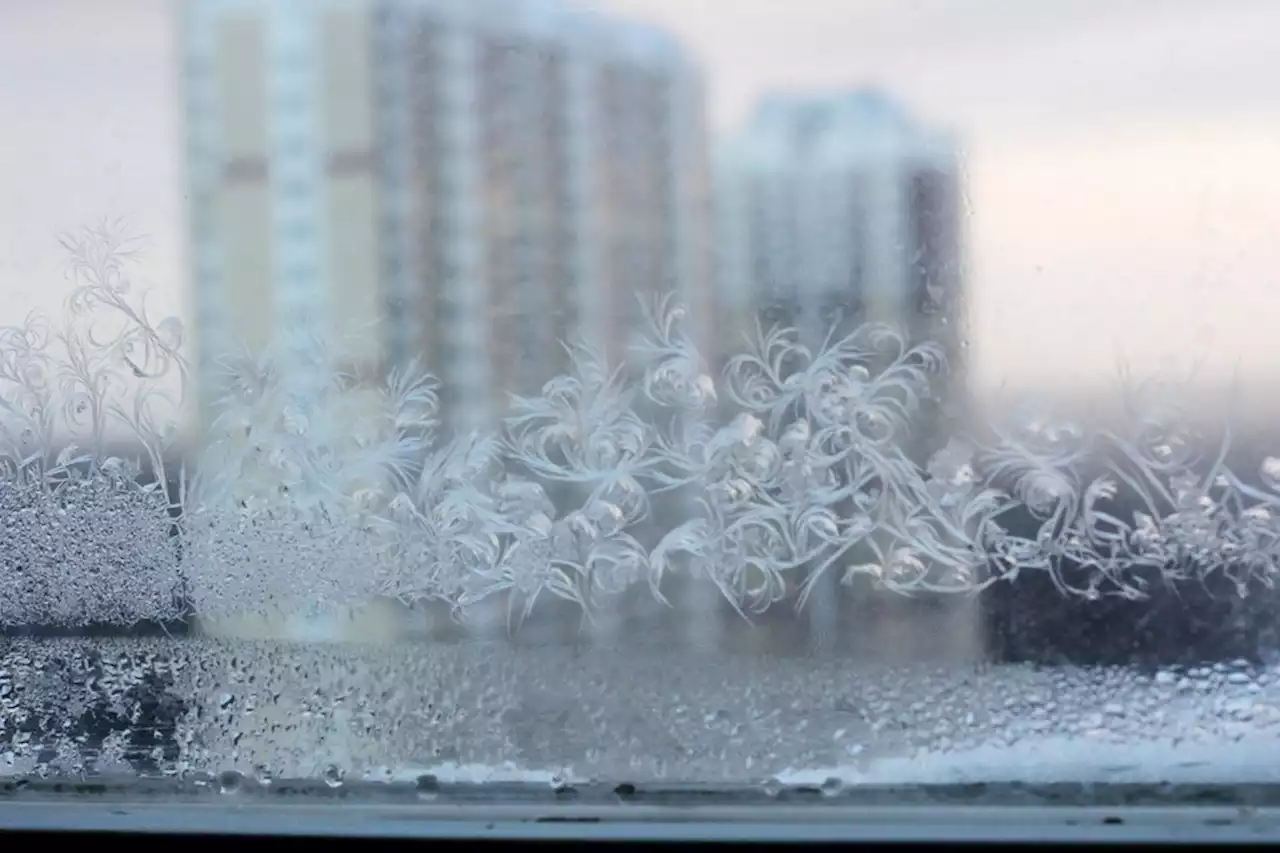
pixel 1123 156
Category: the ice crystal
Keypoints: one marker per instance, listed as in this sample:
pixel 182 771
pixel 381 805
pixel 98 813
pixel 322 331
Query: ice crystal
pixel 791 465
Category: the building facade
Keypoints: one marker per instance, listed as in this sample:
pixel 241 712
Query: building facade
pixel 837 210
pixel 545 167
pixel 834 211
pixel 282 179
pixel 464 183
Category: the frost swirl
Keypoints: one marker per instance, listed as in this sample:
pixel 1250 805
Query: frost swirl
pixel 784 467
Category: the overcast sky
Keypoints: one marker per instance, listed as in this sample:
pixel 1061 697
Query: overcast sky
pixel 1123 156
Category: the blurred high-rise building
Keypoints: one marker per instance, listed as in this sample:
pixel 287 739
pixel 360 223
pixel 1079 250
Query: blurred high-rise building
pixel 833 211
pixel 282 177
pixel 467 182
pixel 839 209
pixel 544 166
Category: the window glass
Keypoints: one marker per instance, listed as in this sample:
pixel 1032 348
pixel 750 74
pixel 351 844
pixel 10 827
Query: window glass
pixel 795 397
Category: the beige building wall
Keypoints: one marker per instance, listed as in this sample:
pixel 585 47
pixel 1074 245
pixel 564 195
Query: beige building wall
pixel 241 69
pixel 352 192
pixel 235 165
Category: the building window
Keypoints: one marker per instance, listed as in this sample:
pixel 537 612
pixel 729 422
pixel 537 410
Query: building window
pixel 294 188
pixel 351 162
pixel 300 231
pixel 245 170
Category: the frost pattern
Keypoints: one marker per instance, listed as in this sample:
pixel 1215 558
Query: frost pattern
pixel 789 466
pixel 85 536
pixel 90 548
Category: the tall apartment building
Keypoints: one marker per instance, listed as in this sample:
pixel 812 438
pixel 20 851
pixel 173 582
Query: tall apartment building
pixel 544 167
pixel 839 206
pixel 468 182
pixel 832 211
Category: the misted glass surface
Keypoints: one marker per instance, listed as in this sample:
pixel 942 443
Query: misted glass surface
pixel 815 395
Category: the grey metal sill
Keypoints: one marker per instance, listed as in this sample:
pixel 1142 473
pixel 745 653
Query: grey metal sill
pixel 780 823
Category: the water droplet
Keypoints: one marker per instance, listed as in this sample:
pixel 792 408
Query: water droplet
pixel 230 782
pixel 772 787
pixel 262 775
pixel 427 786
pixel 832 786
pixel 718 716
pixel 1270 473
pixel 333 776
